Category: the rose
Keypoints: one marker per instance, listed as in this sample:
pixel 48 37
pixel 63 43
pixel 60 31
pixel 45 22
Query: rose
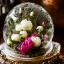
pixel 26 46
pixel 36 41
pixel 26 25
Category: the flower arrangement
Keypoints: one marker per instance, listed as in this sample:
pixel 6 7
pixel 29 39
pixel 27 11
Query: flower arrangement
pixel 25 35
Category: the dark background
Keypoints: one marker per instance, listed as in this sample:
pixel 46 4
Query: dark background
pixel 55 9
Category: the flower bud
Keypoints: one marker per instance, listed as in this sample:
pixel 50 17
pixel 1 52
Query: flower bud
pixel 24 34
pixel 32 14
pixel 40 28
pixel 16 37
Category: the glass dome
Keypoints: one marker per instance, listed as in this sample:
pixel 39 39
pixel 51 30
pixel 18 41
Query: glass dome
pixel 19 13
pixel 41 18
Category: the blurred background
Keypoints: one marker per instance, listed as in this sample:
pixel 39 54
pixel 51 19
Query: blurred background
pixel 54 7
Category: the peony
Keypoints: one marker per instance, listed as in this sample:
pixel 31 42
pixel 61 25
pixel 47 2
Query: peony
pixel 16 37
pixel 36 41
pixel 26 46
pixel 26 25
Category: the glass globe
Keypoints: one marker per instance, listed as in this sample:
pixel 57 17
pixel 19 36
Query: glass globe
pixel 42 18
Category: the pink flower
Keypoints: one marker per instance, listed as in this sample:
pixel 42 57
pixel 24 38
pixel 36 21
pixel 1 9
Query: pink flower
pixel 26 46
pixel 34 34
pixel 46 37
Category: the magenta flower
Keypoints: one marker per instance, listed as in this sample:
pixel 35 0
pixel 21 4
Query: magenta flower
pixel 34 34
pixel 26 46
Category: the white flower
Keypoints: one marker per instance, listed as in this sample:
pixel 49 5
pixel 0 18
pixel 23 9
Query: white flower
pixel 8 41
pixel 18 27
pixel 26 25
pixel 16 37
pixel 24 34
pixel 40 28
pixel 32 13
pixel 36 41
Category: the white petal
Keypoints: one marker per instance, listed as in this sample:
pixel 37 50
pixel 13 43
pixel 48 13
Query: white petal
pixel 26 25
pixel 24 34
pixel 18 27
pixel 16 37
pixel 40 27
pixel 36 40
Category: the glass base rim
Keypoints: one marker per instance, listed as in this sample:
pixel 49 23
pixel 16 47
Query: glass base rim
pixel 55 52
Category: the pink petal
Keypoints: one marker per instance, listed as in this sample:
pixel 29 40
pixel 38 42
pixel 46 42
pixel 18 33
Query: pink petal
pixel 26 46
